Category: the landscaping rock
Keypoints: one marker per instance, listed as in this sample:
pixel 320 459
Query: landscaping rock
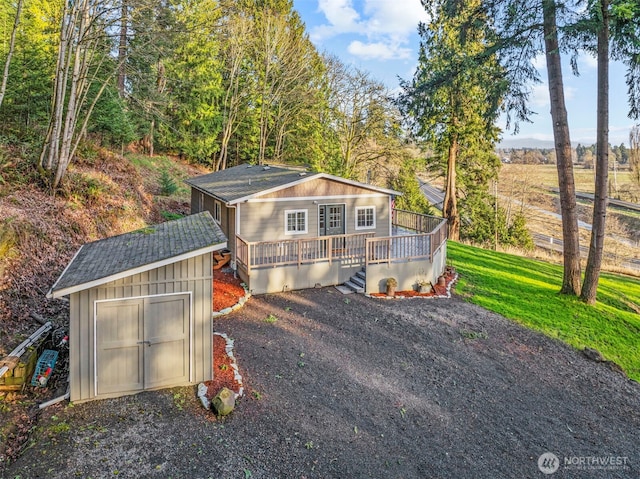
pixel 202 394
pixel 224 402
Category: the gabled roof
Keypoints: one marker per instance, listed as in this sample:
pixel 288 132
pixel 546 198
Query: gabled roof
pixel 243 182
pixel 119 256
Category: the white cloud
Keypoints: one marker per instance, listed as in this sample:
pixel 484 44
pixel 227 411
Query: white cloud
pixel 539 62
pixel 384 27
pixel 386 17
pixel 589 61
pixel 341 15
pixel 540 95
pixel 377 51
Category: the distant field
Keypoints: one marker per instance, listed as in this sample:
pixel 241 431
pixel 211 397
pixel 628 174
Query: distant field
pixel 547 175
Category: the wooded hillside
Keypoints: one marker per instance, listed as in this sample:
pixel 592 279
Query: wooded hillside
pixel 209 83
pixel 217 82
pixel 104 195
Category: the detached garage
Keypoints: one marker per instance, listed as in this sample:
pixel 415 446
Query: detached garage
pixel 140 309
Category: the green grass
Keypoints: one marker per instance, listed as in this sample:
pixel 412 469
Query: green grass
pixel 160 166
pixel 526 291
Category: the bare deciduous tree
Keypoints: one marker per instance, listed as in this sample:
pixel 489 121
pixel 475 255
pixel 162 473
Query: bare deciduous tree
pixel 12 44
pixel 236 31
pixel 80 35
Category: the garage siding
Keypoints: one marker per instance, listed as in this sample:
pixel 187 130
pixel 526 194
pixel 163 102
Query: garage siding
pixel 193 275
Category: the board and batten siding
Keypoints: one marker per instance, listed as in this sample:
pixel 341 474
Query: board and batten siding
pixel 319 187
pixel 194 275
pixel 264 220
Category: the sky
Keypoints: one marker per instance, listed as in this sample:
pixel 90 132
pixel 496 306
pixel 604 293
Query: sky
pixel 381 36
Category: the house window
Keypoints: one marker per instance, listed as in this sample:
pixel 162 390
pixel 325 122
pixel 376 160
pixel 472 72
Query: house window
pixel 295 222
pixel 217 215
pixel 365 217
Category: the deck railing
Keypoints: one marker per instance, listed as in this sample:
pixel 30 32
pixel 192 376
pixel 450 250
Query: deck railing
pixel 408 247
pixel 422 237
pixel 415 221
pixel 301 251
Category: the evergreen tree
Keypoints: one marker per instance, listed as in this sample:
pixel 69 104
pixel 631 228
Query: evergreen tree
pixel 455 95
pixel 405 181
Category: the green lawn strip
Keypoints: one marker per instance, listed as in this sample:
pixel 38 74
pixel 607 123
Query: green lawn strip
pixel 526 291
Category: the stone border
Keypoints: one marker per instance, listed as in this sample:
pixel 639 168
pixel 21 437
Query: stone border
pixel 202 389
pixel 439 296
pixel 235 307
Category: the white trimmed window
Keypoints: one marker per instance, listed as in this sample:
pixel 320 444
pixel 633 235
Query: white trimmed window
pixel 365 217
pixel 217 212
pixel 295 222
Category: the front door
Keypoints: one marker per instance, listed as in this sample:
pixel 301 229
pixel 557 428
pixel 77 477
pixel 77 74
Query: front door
pixel 331 220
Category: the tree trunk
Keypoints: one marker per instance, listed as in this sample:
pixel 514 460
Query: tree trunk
pixel 564 163
pixel 122 49
pixel 152 128
pixel 50 147
pixel 12 43
pixel 596 247
pixel 71 86
pixel 450 204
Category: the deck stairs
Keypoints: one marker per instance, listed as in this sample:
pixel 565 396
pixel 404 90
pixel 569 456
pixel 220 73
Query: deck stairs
pixel 355 284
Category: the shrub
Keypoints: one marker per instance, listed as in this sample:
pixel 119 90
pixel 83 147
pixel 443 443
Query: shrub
pixel 168 185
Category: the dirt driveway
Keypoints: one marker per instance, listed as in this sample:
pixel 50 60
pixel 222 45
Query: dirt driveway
pixel 351 387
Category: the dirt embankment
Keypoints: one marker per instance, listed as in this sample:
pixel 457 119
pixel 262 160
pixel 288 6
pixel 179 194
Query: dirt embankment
pixel 39 233
pixel 102 195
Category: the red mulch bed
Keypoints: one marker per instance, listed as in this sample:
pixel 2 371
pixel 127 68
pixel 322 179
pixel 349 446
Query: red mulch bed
pixel 222 371
pixel 226 290
pixel 437 290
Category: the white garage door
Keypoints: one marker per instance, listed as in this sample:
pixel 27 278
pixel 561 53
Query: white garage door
pixel 142 343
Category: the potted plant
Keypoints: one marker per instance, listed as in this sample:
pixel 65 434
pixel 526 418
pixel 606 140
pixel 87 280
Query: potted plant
pixel 392 284
pixel 424 286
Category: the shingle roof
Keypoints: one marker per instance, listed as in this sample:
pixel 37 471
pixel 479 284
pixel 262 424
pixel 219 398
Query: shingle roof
pixel 245 180
pixel 105 260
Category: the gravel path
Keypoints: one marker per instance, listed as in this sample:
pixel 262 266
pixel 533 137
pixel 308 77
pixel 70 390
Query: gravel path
pixel 352 387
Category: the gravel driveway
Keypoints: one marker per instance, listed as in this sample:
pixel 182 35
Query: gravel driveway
pixel 353 387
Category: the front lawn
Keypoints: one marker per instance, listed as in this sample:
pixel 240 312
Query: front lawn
pixel 526 291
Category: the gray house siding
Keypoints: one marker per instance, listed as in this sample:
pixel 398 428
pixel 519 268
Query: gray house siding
pixel 265 220
pixel 192 275
pixel 203 202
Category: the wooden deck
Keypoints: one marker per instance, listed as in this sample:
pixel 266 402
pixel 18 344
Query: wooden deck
pixel 416 237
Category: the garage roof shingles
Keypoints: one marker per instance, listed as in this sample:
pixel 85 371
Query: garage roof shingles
pixel 111 256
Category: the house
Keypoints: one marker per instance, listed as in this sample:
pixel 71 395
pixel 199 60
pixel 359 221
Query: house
pixel 141 309
pixel 290 229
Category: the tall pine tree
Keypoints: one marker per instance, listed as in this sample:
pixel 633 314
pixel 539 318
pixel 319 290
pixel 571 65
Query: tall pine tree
pixel 455 95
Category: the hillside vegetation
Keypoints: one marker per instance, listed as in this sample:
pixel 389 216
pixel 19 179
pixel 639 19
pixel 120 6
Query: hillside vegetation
pixel 106 194
pixel 526 291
